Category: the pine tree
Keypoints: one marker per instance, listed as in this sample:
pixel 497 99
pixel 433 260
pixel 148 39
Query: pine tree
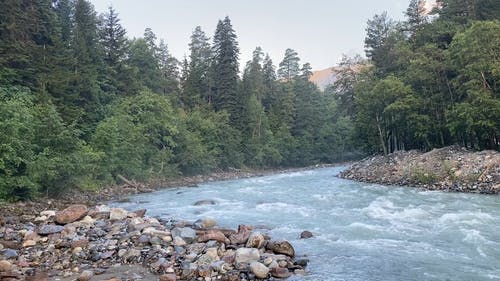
pixel 416 17
pixel 377 31
pixel 169 68
pixel 289 66
pixel 196 86
pixel 115 45
pixel 225 70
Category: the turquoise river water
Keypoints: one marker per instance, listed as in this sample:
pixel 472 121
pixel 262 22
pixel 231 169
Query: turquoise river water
pixel 361 231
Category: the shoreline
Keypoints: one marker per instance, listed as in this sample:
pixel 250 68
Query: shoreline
pixel 452 169
pixel 120 192
pixel 104 243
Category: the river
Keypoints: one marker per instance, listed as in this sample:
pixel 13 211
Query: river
pixel 361 231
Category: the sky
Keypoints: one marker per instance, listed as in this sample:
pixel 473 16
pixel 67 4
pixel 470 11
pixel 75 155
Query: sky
pixel 319 30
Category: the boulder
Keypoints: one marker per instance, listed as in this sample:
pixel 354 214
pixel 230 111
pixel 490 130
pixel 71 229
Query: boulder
pixel 246 255
pixel 306 234
pixel 118 214
pixel 281 247
pixel 209 257
pixel 261 271
pixel 186 233
pixel 256 240
pixel 71 214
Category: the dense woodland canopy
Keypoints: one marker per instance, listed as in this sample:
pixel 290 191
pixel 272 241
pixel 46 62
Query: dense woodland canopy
pixel 81 103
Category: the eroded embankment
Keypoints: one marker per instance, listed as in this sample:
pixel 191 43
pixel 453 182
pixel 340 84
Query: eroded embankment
pixel 450 168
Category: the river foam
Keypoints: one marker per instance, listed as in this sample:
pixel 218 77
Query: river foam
pixel 361 231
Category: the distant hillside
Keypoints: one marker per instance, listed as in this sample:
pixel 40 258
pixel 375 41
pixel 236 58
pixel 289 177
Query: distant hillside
pixel 325 77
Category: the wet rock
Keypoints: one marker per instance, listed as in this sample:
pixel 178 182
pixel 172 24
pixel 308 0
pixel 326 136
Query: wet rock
pixel 71 214
pixel 280 272
pixel 140 213
pixel 205 202
pixel 261 271
pixel 255 240
pixel 118 214
pixel 246 255
pixel 281 247
pixel 306 234
pixel 186 233
pixel 301 262
pixel 205 223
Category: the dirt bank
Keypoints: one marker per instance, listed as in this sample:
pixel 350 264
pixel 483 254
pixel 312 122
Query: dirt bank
pixel 451 169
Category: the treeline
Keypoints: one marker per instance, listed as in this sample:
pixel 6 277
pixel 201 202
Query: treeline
pixel 81 104
pixel 429 81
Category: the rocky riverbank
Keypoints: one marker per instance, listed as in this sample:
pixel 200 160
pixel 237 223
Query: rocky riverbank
pixel 450 169
pixel 103 243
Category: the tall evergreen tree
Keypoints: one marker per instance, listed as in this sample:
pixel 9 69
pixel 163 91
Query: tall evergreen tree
pixel 225 70
pixel 196 86
pixel 289 67
pixel 115 45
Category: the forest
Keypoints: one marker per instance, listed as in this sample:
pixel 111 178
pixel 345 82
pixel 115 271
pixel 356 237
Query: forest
pixel 82 104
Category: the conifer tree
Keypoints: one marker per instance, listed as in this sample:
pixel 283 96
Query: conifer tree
pixel 289 66
pixel 225 70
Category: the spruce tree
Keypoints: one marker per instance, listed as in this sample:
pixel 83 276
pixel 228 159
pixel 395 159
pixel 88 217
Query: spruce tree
pixel 196 86
pixel 225 70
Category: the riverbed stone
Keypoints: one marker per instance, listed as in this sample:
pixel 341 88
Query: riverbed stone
pixel 86 275
pixel 49 229
pixel 261 271
pixel 280 272
pixel 118 214
pixel 214 235
pixel 281 247
pixel 255 240
pixel 306 234
pixel 71 214
pixel 205 223
pixel 5 266
pixel 186 233
pixel 246 255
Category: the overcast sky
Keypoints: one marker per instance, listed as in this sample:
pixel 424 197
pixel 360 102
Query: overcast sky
pixel 319 30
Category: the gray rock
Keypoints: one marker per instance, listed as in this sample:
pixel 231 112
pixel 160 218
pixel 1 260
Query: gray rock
pixel 9 254
pixel 47 229
pixel 260 270
pixel 246 255
pixel 186 233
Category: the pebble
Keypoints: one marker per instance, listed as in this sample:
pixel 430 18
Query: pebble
pixel 261 271
pixel 103 243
